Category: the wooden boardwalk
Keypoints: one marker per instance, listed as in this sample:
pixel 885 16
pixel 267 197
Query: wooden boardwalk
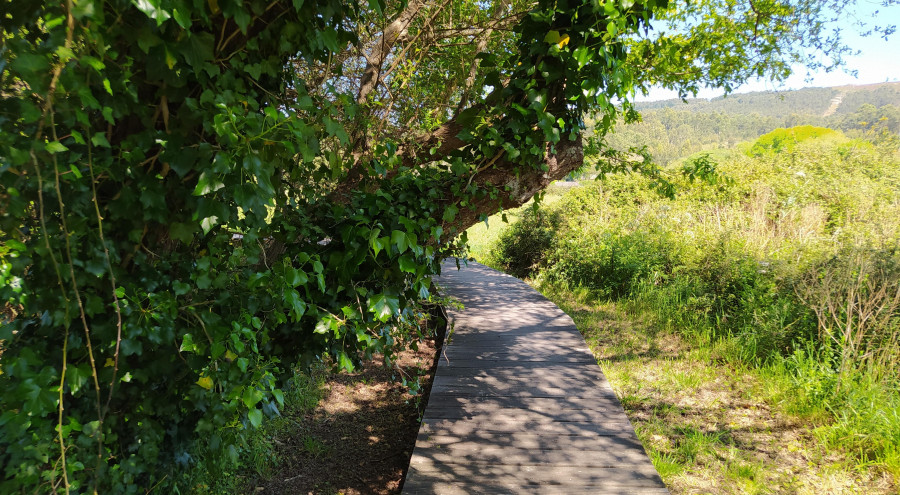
pixel 518 403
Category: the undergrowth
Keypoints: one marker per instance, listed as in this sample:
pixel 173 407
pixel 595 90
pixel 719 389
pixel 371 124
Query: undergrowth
pixel 787 264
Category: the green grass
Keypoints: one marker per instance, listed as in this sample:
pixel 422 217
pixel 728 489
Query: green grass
pixel 707 419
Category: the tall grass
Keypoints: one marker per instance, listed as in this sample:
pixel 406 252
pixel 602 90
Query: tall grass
pixel 790 261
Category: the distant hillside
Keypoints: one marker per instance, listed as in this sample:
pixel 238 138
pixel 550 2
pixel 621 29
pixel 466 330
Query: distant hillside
pixel 807 101
pixel 673 129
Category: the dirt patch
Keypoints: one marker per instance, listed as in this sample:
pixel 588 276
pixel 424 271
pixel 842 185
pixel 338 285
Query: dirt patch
pixel 360 436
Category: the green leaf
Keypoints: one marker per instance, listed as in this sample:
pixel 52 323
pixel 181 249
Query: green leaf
pixel 450 213
pixel 170 58
pixel 93 62
pixel 242 18
pixel 255 417
pixel 335 129
pixel 207 183
pixel 30 63
pixel 345 362
pixel 295 277
pixel 208 223
pixel 100 140
pixel 322 326
pixel 582 55
pixel 198 50
pixel 378 6
pixel 552 37
pixel 398 238
pixel 296 304
pixel 147 39
pixel 329 39
pixel 107 113
pixel 77 377
pixel 55 147
pixel 188 345
pixel 378 244
pixel 183 232
pixel 182 17
pixel 383 306
pixel 408 263
pixel 251 397
pixel 180 288
pixel 153 9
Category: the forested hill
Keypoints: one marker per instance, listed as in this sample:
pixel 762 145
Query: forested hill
pixel 673 129
pixel 806 101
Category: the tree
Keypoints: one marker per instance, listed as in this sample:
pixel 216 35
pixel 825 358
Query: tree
pixel 198 194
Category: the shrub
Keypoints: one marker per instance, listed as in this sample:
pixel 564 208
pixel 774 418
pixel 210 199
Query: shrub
pixel 855 295
pixel 782 139
pixel 522 248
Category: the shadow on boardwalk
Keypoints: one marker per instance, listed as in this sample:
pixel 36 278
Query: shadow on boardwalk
pixel 519 404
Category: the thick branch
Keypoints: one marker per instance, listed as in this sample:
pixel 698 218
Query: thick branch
pixel 518 185
pixel 380 50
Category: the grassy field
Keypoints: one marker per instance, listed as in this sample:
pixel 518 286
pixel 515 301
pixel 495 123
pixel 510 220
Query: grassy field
pixel 750 324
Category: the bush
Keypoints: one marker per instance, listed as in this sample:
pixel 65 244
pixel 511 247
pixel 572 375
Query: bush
pixel 725 258
pixel 855 295
pixel 523 247
pixel 785 140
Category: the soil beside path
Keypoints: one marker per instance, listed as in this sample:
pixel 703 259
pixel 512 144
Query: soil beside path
pixel 359 437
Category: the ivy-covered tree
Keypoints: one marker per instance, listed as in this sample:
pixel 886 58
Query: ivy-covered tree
pixel 197 194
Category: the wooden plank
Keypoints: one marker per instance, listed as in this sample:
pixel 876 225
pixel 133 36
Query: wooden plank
pixel 482 390
pixel 533 440
pixel 538 374
pixel 436 487
pixel 532 339
pixel 532 403
pixel 486 413
pixel 513 370
pixel 502 359
pixel 504 475
pixel 458 426
pixel 527 457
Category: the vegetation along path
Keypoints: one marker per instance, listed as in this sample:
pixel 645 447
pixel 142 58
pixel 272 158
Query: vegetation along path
pixel 519 404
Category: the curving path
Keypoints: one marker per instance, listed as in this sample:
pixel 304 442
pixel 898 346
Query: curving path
pixel 518 403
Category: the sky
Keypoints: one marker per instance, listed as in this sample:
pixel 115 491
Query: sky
pixel 879 60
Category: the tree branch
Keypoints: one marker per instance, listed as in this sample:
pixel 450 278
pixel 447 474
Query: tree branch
pixel 380 50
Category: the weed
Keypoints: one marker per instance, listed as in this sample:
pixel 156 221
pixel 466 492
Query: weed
pixel 315 447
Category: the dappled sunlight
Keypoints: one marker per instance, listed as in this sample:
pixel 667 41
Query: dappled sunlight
pixel 518 402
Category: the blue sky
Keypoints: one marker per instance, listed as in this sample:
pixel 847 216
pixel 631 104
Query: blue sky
pixel 879 60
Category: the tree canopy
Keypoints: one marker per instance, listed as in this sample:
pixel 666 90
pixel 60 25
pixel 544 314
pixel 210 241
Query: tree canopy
pixel 198 194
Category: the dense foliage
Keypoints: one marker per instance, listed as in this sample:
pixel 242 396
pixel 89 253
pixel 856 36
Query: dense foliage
pixel 198 194
pixel 791 256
